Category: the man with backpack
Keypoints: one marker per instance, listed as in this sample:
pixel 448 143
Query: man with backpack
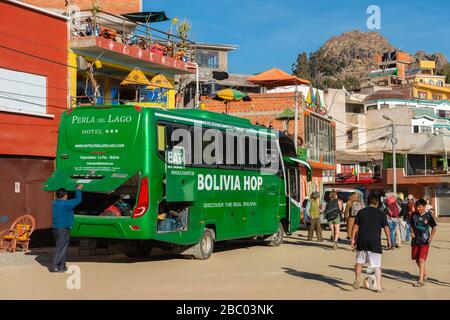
pixel 392 211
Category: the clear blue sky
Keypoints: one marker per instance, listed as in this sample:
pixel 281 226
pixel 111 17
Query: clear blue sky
pixel 270 33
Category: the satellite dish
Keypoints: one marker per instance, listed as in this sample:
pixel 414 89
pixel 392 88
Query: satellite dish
pixel 219 75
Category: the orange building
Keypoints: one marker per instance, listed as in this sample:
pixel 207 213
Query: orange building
pixel 112 6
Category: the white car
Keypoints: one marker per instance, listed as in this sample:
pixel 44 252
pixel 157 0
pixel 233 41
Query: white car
pixel 343 194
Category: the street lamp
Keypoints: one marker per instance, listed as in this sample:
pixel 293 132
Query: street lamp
pixel 394 156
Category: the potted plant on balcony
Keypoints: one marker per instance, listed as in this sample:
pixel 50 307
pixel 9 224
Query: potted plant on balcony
pixel 183 31
pixel 95 10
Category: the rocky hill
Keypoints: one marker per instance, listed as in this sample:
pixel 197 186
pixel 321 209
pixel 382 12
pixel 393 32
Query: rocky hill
pixel 345 59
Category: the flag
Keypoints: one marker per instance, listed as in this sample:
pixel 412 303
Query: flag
pixel 310 99
pixel 317 98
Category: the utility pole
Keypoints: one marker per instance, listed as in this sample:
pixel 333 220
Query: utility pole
pixel 296 118
pixel 394 154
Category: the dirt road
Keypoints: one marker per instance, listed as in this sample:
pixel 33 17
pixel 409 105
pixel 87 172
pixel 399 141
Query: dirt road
pixel 240 270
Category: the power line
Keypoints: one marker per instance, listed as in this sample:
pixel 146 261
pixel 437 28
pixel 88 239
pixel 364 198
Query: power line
pixel 33 103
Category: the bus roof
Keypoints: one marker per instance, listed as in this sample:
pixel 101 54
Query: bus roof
pixel 191 114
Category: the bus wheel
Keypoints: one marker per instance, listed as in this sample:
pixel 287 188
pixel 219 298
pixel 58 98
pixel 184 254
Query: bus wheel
pixel 277 238
pixel 205 247
pixel 138 250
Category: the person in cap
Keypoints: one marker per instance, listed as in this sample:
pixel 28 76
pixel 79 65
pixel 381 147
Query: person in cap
pixel 313 212
pixel 62 222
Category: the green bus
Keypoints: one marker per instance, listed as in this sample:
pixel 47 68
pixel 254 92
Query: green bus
pixel 181 178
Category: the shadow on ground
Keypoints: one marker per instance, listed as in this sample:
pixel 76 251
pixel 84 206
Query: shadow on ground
pixel 44 256
pixel 401 276
pixel 325 245
pixel 335 282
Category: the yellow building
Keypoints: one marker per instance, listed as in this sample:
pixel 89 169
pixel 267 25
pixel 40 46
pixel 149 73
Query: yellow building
pixel 425 84
pixel 103 54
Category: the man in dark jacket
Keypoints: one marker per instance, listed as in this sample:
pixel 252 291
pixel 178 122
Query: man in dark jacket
pixel 62 221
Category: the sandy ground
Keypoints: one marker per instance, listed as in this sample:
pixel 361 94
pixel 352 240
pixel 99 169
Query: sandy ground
pixel 240 270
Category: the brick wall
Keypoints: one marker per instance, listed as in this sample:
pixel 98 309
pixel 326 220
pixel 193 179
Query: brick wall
pixel 263 108
pixel 111 6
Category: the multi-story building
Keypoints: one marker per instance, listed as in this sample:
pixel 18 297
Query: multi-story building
pixel 416 78
pixel 33 94
pixel 364 149
pixel 212 60
pixel 392 69
pixel 107 46
pixel 50 62
pixel 423 83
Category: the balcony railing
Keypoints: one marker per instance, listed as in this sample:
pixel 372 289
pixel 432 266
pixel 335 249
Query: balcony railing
pixel 125 31
pixel 358 178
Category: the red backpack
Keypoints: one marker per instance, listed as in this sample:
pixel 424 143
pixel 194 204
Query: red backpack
pixel 392 206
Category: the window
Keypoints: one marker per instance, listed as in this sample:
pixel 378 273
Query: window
pixel 416 129
pixel 372 107
pixel 426 129
pixel 384 106
pixel 440 83
pixel 320 139
pixel 422 95
pixel 437 97
pixel 347 169
pixel 23 92
pixel 441 113
pixel 349 136
pixel 354 108
pixel 207 59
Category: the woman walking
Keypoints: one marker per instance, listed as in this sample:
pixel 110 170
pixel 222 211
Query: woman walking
pixel 354 204
pixel 332 213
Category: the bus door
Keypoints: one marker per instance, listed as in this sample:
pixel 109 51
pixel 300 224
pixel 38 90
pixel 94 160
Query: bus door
pixel 293 207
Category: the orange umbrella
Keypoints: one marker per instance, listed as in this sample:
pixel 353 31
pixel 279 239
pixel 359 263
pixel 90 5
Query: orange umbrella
pixel 276 78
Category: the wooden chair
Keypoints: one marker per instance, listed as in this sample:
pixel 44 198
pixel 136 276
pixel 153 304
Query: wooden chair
pixel 19 234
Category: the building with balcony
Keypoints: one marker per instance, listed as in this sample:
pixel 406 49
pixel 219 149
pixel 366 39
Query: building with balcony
pixel 212 60
pixel 33 94
pixel 364 149
pixel 423 83
pixel 105 48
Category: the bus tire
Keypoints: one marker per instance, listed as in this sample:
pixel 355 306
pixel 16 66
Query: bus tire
pixel 138 250
pixel 277 238
pixel 205 247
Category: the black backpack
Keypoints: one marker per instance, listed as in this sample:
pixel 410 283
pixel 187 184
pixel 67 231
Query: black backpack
pixel 305 203
pixel 332 209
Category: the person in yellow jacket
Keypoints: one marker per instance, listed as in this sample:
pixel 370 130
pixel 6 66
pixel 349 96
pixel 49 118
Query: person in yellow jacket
pixel 313 212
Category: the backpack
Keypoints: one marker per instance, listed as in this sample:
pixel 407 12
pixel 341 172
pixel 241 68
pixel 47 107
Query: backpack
pixel 356 206
pixel 392 207
pixel 305 203
pixel 332 210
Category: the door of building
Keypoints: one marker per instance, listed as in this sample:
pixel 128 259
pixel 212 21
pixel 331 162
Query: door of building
pixel 443 204
pixel 21 192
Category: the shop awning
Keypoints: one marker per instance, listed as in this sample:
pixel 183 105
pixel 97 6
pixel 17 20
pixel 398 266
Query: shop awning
pixel 102 182
pixel 147 17
pixel 294 160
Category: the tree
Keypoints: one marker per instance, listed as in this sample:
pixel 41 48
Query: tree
pixel 445 71
pixel 301 67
